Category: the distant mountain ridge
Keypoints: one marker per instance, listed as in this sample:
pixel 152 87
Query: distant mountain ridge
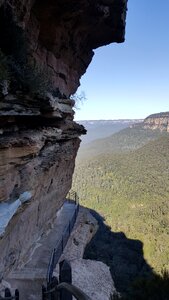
pixel 125 178
pixel 113 121
pixel 97 129
pixel 125 140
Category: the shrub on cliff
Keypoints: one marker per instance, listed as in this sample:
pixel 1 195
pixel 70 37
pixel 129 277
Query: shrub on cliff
pixel 78 99
pixel 30 80
pixel 22 76
pixel 4 73
pixel 14 59
pixel 37 81
pixel 13 41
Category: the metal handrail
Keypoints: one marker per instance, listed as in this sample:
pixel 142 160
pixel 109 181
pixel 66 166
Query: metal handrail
pixel 8 295
pixel 74 290
pixel 62 241
pixel 50 267
pixel 72 195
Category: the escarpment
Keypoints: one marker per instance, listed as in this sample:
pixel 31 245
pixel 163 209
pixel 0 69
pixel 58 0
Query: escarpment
pixel 62 34
pixel 45 47
pixel 157 121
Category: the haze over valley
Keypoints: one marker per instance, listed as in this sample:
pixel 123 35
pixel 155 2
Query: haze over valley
pixel 125 178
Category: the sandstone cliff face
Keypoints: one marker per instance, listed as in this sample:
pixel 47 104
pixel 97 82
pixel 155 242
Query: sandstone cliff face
pixel 157 121
pixel 38 159
pixel 62 34
pixel 38 137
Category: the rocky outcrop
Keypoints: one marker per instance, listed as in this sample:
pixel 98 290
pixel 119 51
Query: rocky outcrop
pixel 62 34
pixel 157 121
pixel 85 228
pixel 37 155
pixel 38 137
pixel 92 277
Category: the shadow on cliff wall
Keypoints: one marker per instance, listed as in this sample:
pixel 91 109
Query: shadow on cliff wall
pixel 133 276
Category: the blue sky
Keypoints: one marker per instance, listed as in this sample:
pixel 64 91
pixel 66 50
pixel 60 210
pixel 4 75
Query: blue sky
pixel 131 80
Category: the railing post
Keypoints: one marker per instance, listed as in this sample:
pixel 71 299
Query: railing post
pixel 54 293
pixel 7 293
pixel 69 228
pixel 62 244
pixel 44 292
pixel 56 253
pixel 16 294
pixel 65 275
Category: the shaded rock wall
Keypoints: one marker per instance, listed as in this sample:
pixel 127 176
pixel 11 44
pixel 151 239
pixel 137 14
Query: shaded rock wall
pixel 38 137
pixel 37 155
pixel 38 146
pixel 62 34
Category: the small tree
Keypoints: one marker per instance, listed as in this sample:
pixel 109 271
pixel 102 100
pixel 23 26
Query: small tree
pixel 78 98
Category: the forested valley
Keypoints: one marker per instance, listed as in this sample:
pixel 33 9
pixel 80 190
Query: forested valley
pixel 125 179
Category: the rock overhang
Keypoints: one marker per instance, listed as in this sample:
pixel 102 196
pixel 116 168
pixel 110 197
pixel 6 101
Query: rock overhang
pixel 62 34
pixel 96 23
pixel 38 137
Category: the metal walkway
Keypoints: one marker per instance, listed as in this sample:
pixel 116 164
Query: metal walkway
pixel 30 279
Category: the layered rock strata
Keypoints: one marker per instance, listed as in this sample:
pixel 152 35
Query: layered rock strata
pixel 157 121
pixel 38 137
pixel 37 156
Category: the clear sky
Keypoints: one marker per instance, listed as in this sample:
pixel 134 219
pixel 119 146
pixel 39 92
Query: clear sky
pixel 131 80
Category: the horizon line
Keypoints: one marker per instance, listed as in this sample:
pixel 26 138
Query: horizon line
pixel 120 119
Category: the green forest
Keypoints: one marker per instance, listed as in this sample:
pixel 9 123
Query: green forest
pixel 125 178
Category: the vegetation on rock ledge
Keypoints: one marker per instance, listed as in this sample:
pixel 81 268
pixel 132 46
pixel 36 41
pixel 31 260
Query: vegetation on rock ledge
pixel 15 67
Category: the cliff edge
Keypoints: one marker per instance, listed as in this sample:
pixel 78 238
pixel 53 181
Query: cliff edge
pixel 45 47
pixel 157 121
